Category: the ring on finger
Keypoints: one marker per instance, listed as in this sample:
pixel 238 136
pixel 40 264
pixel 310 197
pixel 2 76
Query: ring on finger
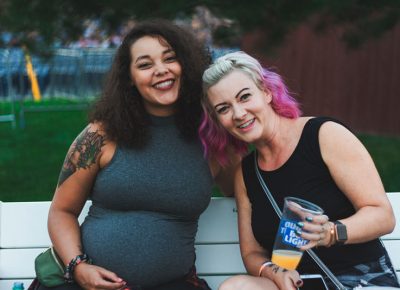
pixel 319 240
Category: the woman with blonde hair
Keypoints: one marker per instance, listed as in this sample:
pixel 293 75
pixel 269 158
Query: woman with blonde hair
pixel 313 158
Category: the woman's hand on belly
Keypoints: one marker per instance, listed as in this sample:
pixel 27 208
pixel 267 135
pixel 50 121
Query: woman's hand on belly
pixel 91 277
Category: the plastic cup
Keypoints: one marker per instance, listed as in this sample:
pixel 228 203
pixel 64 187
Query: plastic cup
pixel 286 252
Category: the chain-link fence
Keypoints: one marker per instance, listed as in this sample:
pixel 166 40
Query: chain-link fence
pixel 75 73
pixel 70 73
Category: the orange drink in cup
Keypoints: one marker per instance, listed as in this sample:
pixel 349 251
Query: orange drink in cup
pixel 286 258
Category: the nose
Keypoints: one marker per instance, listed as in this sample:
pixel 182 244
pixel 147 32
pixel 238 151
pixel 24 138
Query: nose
pixel 161 69
pixel 239 112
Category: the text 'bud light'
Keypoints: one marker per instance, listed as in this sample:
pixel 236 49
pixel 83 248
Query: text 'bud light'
pixel 287 231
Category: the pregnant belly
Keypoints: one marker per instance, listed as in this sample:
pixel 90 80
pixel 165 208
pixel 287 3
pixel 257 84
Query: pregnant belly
pixel 143 248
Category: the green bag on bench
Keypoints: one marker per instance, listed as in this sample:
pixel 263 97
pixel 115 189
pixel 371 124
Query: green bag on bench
pixel 49 268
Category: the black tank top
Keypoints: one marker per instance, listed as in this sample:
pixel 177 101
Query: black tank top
pixel 306 176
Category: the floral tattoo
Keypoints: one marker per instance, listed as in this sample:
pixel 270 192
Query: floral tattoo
pixel 276 268
pixel 82 154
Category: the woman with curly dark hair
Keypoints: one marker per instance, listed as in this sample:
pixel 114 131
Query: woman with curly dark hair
pixel 121 108
pixel 141 163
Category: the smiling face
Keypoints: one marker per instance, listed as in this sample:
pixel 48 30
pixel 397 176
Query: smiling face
pixel 240 106
pixel 156 73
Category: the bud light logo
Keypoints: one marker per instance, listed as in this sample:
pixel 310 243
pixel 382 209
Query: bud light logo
pixel 287 231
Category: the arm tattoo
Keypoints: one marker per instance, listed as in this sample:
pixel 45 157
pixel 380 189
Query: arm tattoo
pixel 82 154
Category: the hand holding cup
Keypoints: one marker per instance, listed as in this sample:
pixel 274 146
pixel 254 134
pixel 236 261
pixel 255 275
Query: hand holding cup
pixel 290 241
pixel 318 230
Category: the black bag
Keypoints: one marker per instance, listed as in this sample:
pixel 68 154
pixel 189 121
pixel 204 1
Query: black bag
pixel 313 282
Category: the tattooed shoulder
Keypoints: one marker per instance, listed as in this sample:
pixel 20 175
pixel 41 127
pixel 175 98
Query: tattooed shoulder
pixel 83 153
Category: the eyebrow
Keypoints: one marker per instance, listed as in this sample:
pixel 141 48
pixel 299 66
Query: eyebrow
pixel 236 96
pixel 146 56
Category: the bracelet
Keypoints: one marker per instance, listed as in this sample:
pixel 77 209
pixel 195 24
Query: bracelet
pixel 69 269
pixel 265 264
pixel 332 235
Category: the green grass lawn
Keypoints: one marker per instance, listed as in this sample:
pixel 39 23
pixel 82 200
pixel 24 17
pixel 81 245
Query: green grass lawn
pixel 386 154
pixel 31 158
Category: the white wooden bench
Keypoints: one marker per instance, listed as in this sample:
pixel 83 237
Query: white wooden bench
pixel 23 235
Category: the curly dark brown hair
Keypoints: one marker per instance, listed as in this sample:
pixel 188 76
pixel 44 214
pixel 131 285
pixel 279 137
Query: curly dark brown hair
pixel 120 108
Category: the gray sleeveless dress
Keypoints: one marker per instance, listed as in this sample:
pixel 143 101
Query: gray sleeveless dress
pixel 146 205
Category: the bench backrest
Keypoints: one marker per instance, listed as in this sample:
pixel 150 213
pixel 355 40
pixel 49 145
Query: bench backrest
pixel 23 235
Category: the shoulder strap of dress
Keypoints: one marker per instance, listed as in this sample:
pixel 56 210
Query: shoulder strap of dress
pixel 314 124
pixel 310 134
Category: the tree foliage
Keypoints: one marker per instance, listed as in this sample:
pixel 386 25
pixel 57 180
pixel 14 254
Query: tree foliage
pixel 63 19
pixel 360 19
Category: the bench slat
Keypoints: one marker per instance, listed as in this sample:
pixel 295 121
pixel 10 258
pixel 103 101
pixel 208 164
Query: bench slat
pixel 218 224
pixel 28 228
pixel 394 198
pixel 23 224
pixel 393 248
pixel 211 260
pixel 18 263
pixel 219 259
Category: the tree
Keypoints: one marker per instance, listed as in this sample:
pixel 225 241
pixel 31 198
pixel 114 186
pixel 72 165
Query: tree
pixel 50 20
pixel 63 19
pixel 360 19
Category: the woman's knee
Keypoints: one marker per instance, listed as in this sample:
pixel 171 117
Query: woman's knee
pixel 246 282
pixel 233 283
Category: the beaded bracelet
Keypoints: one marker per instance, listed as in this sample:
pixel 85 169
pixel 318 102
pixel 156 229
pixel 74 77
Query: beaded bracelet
pixel 265 264
pixel 69 269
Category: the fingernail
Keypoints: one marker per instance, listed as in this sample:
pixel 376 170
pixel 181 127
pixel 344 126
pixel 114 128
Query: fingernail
pixel 299 232
pixel 309 219
pixel 299 282
pixel 300 224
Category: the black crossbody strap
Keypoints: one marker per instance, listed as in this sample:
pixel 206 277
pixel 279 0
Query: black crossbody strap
pixel 278 211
